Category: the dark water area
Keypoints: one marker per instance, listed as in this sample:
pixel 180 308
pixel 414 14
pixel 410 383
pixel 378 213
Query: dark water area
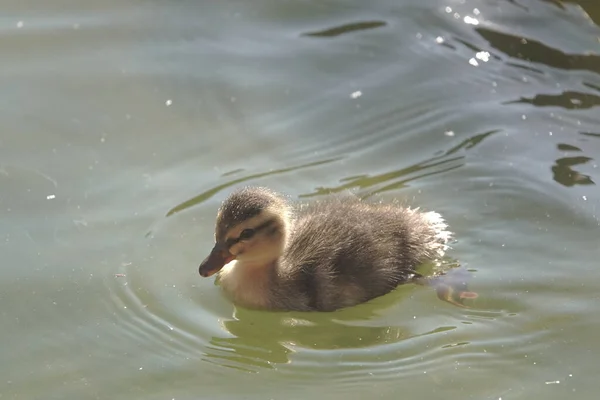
pixel 126 123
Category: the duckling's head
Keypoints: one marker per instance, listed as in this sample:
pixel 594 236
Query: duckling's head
pixel 252 228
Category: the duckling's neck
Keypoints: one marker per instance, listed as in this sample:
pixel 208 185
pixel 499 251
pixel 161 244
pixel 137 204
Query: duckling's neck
pixel 249 283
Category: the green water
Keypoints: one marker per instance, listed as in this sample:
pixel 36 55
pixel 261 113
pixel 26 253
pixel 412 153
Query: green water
pixel 126 123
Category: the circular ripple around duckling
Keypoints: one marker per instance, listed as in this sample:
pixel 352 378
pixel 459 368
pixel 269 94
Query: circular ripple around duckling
pixel 177 317
pixel 160 312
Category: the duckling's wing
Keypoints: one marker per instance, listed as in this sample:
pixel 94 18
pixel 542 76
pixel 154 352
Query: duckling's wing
pixel 349 251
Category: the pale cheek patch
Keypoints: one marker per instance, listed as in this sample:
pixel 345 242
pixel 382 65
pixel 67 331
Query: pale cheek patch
pixel 237 249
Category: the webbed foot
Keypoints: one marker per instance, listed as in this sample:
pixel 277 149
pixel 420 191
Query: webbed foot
pixel 451 288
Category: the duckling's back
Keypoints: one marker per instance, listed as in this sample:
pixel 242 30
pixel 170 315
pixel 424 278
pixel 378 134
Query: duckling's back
pixel 344 251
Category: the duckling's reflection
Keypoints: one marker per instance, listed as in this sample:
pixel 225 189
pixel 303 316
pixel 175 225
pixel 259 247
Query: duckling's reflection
pixel 265 339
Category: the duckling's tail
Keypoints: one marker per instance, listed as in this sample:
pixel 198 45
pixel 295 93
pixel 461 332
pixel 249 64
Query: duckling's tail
pixel 441 235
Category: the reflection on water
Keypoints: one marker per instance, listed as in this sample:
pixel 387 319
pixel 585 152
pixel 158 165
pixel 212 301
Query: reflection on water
pixel 537 52
pixel 269 345
pixel 590 134
pixel 428 168
pixel 118 115
pixel 266 339
pixel 568 99
pixel 211 192
pixel 436 165
pixel 347 28
pixel 567 176
pixel 587 6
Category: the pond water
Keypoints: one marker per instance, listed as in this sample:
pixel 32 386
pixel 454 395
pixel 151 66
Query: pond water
pixel 126 123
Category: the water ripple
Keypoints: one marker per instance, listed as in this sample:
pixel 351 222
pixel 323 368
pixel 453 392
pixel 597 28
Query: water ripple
pixel 211 192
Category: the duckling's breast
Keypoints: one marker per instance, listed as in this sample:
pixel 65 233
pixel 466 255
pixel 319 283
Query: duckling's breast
pixel 246 286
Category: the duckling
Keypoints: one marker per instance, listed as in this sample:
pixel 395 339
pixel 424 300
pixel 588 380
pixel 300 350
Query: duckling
pixel 275 255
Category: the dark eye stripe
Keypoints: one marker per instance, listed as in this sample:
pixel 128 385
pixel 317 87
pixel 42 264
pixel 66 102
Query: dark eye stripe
pixel 230 242
pixel 264 225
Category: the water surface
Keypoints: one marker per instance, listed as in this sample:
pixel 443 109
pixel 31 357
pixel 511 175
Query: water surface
pixel 126 123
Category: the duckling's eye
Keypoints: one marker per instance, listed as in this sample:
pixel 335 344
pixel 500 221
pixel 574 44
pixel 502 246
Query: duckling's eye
pixel 247 234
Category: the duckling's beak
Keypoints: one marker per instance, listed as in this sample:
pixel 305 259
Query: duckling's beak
pixel 218 257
